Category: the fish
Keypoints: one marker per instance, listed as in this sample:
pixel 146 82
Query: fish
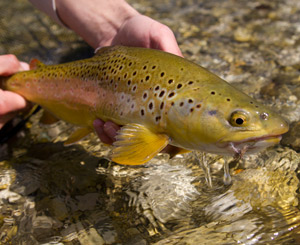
pixel 158 98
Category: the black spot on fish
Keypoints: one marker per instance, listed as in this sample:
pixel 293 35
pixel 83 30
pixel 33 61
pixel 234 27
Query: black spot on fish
pixel 145 95
pixel 129 82
pixel 153 67
pixel 181 104
pixel 130 63
pixel 170 81
pixel 134 73
pixel 192 109
pixel 213 92
pixel 150 105
pixel 145 67
pixel 190 82
pixel 162 105
pixel 161 94
pixel 142 112
pixel 228 99
pixel 156 88
pixel 190 101
pixel 147 78
pixel 157 118
pixel 179 86
pixel 162 74
pixel 198 106
pixel 171 94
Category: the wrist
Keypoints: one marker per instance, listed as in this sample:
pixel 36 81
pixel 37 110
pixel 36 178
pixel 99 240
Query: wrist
pixel 96 21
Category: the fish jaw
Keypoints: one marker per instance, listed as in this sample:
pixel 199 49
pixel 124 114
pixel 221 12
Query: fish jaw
pixel 248 146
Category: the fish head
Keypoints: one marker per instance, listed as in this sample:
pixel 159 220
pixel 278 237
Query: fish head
pixel 232 123
pixel 243 126
pixel 250 129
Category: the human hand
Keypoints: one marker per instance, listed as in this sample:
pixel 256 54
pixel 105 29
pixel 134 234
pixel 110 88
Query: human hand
pixel 10 103
pixel 142 31
pixel 138 31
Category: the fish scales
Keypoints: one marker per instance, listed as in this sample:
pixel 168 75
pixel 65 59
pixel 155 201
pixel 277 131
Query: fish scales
pixel 159 97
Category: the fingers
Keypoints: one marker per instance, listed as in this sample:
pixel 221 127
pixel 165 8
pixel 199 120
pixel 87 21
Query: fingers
pixel 24 66
pixel 163 38
pixel 106 131
pixel 9 64
pixel 142 31
pixel 11 102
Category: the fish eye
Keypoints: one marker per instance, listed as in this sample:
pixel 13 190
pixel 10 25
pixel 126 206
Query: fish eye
pixel 238 119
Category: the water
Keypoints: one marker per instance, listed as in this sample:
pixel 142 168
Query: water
pixel 55 194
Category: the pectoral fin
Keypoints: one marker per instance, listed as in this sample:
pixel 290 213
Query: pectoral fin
pixel 77 135
pixel 136 145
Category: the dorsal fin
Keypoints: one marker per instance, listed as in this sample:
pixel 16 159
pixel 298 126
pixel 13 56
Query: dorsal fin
pixel 35 64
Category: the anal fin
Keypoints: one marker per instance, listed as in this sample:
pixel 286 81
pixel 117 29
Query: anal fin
pixel 136 145
pixel 77 135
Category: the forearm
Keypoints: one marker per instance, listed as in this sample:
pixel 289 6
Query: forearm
pixel 96 21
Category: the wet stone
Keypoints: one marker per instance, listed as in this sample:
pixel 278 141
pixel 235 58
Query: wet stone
pixel 87 201
pixel 292 138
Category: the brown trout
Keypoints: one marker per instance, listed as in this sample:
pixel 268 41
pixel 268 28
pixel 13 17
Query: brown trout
pixel 159 98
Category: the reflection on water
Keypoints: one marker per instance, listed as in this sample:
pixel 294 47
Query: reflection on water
pixel 55 194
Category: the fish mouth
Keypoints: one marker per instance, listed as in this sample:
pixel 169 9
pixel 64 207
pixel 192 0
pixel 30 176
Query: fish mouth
pixel 275 138
pixel 251 145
